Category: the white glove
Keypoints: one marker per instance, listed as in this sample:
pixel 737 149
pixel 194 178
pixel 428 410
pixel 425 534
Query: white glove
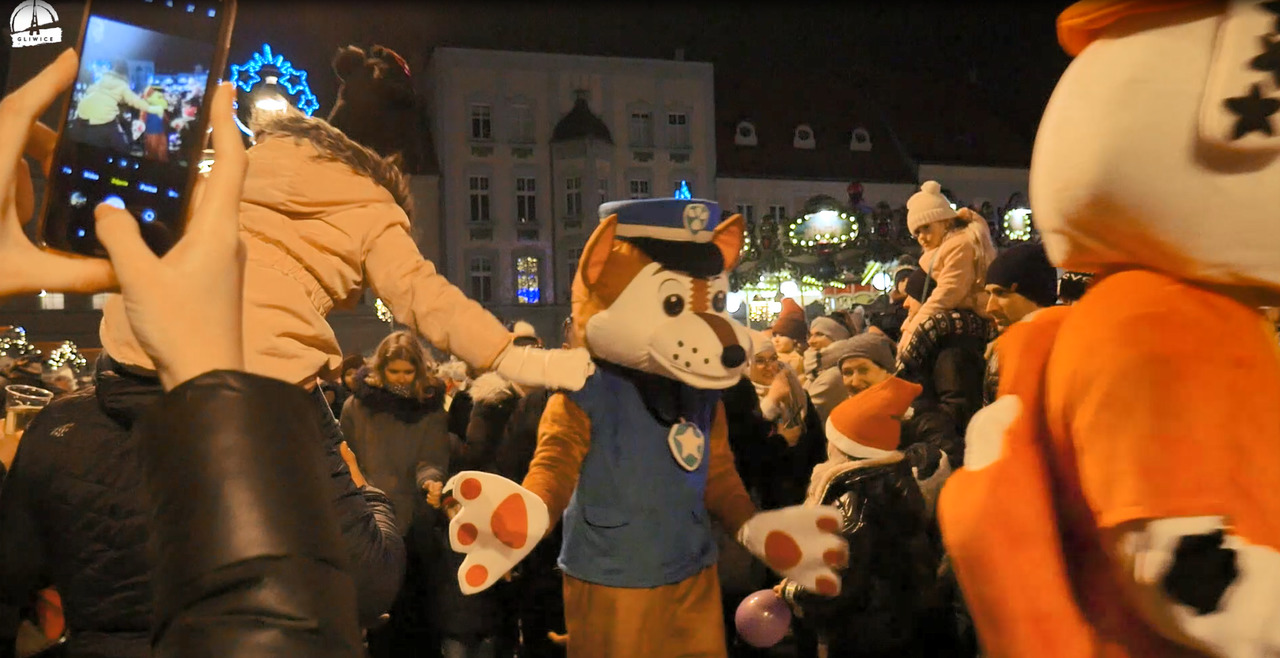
pixel 565 370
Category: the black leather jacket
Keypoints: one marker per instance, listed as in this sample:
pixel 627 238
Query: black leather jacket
pixel 889 589
pixel 249 560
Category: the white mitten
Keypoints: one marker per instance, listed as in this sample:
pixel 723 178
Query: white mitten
pixel 565 370
pixel 802 543
pixel 498 524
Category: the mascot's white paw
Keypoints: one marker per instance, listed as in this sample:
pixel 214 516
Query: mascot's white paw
pixel 985 435
pixel 498 524
pixel 802 543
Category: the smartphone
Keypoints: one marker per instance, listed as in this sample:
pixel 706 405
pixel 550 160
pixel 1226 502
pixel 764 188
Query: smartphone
pixel 135 125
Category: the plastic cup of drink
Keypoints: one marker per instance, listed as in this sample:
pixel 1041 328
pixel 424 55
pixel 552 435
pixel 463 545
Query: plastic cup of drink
pixel 21 404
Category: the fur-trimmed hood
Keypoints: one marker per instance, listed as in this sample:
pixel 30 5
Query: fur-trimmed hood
pixel 407 410
pixel 491 388
pixel 277 169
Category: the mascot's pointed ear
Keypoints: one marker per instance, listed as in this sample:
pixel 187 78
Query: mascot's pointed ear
pixel 729 238
pixel 347 61
pixel 596 252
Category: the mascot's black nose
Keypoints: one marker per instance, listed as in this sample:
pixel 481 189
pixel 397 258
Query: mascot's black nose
pixel 733 356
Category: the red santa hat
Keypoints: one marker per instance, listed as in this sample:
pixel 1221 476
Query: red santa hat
pixel 791 322
pixel 869 424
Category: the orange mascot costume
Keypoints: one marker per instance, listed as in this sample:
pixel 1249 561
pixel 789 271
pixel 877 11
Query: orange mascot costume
pixel 638 462
pixel 1120 497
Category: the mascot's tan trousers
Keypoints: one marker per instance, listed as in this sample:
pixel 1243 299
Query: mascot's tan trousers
pixel 683 620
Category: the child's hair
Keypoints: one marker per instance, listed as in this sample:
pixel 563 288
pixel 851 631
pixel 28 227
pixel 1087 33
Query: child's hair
pixel 403 345
pixel 979 235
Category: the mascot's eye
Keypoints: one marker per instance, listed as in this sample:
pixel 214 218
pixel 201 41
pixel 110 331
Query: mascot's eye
pixel 673 305
pixel 718 302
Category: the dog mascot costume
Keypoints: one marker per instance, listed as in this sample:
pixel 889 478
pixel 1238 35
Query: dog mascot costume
pixel 639 458
pixel 1122 495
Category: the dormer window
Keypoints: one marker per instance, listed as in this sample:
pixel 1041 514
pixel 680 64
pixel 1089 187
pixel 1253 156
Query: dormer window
pixel 861 140
pixel 745 134
pixel 804 137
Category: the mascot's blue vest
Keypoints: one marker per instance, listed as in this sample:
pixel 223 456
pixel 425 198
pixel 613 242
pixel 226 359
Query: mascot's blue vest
pixel 637 518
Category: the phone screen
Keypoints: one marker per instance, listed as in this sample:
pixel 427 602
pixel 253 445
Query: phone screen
pixel 136 121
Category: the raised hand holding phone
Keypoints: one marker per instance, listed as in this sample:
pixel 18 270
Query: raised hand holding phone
pixel 25 268
pixel 185 308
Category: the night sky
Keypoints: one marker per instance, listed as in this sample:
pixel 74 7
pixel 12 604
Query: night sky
pixel 1008 51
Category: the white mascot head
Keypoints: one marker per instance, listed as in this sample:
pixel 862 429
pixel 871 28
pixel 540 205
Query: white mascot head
pixel 1160 148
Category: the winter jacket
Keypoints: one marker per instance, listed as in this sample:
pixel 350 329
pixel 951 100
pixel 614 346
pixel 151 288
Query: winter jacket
pixel 492 400
pixel 955 267
pixel 946 357
pixel 80 519
pixel 102 100
pixel 774 473
pixel 400 443
pixel 888 598
pixel 248 557
pixel 316 232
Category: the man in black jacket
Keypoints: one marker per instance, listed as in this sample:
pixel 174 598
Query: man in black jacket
pixel 75 516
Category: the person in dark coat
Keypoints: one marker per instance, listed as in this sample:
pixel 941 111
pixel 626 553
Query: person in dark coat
pixel 889 603
pixel 946 355
pixel 337 392
pixel 74 515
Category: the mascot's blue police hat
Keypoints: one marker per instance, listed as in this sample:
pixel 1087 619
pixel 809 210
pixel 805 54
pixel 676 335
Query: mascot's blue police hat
pixel 676 220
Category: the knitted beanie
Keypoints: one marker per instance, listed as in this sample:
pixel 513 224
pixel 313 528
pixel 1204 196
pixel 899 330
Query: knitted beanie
pixel 1025 269
pixel 916 285
pixel 928 206
pixel 872 347
pixel 790 322
pixel 762 343
pixel 829 327
pixel 869 424
pixel 1073 285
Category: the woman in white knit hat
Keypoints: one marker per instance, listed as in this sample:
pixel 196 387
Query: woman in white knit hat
pixel 957 250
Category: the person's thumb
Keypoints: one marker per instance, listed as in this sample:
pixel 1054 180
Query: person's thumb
pixel 131 258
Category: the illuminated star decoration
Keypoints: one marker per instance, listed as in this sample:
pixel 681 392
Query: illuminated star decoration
pixel 293 81
pixel 683 192
pixel 1254 112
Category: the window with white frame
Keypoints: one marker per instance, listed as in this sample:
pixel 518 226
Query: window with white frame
pixel 479 188
pixel 641 128
pixel 522 124
pixel 480 274
pixel 573 197
pixel 99 301
pixel 747 211
pixel 603 186
pixel 779 212
pixel 678 130
pixel 481 121
pixel 52 301
pixel 526 200
pixel 528 286
pixel 639 188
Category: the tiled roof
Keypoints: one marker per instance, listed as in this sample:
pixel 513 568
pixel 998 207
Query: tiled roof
pixel 776 106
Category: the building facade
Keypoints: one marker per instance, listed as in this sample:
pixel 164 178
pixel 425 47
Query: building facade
pixel 530 144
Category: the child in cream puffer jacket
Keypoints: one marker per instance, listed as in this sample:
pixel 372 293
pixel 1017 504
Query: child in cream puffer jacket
pixel 957 251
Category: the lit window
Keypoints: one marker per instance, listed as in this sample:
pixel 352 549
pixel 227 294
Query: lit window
pixel 528 290
pixel 639 188
pixel 641 129
pixel 678 130
pixel 481 275
pixel 526 200
pixel 52 301
pixel 522 124
pixel 479 186
pixel 573 197
pixel 779 212
pixel 747 211
pixel 481 121
pixel 99 301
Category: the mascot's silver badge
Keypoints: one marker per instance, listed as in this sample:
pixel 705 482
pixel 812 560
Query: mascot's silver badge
pixel 696 216
pixel 687 444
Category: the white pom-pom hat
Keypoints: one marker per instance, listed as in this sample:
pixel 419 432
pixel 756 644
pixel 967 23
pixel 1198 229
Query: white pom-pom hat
pixel 928 206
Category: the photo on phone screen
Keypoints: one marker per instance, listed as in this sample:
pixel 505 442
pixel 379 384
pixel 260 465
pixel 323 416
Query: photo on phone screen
pixel 136 120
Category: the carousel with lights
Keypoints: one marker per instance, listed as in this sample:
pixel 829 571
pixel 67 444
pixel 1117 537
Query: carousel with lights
pixel 841 255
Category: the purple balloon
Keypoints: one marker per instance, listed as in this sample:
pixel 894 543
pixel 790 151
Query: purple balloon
pixel 762 619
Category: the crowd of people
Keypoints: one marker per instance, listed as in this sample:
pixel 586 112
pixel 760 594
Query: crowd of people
pixel 232 484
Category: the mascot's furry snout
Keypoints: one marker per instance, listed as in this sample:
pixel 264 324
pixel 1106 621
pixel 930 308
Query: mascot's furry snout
pixel 701 344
